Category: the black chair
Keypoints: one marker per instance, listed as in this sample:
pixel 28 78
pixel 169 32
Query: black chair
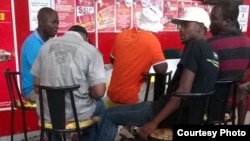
pixel 172 53
pixel 218 110
pixel 17 100
pixel 160 82
pixel 55 97
pixel 192 110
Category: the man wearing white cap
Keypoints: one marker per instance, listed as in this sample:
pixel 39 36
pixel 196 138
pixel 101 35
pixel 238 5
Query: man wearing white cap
pixel 134 51
pixel 196 73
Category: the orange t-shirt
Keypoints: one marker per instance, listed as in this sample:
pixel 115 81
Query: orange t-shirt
pixel 134 52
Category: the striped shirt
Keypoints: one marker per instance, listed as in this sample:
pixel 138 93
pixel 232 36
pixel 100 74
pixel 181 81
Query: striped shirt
pixel 233 49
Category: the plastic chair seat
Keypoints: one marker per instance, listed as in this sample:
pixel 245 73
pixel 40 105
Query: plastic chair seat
pixel 190 115
pixel 26 104
pixel 163 134
pixel 56 101
pixel 17 101
pixel 72 125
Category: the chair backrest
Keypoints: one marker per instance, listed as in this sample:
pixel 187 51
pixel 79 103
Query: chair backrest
pixel 193 107
pixel 219 101
pixel 56 104
pixel 172 53
pixel 160 82
pixel 13 87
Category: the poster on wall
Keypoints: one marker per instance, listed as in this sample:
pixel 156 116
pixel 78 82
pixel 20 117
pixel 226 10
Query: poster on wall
pixel 85 15
pixel 8 43
pixel 137 7
pixel 34 6
pixel 170 10
pixel 243 17
pixel 182 5
pixel 66 14
pixel 106 16
pixel 116 15
pixel 123 14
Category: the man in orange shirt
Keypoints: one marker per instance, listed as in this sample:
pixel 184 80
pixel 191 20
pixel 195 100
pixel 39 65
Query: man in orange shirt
pixel 134 52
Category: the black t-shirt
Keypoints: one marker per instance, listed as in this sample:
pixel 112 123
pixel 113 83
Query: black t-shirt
pixel 199 57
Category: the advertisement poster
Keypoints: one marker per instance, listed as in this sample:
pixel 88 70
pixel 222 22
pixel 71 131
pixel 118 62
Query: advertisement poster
pixel 170 10
pixel 34 7
pixel 65 9
pixel 243 17
pixel 123 14
pixel 85 14
pixel 106 16
pixel 7 42
pixel 182 5
pixel 137 7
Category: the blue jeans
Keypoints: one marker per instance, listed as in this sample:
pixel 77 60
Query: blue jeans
pixel 90 133
pixel 133 115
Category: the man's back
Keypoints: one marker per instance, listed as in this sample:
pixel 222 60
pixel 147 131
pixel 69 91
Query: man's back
pixel 68 60
pixel 134 51
pixel 233 49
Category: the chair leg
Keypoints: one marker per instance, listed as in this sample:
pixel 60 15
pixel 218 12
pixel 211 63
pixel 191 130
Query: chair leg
pixel 64 137
pixel 42 135
pixel 12 123
pixel 49 136
pixel 24 125
pixel 79 135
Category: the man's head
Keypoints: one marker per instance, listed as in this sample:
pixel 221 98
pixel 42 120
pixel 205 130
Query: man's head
pixel 150 19
pixel 223 17
pixel 193 24
pixel 82 31
pixel 47 22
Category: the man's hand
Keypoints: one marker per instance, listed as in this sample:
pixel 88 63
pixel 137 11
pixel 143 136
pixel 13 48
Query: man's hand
pixel 146 129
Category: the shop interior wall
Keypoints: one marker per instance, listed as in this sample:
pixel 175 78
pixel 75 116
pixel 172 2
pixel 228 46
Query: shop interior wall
pixel 167 40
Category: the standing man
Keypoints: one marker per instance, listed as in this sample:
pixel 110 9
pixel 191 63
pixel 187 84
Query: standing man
pixel 72 60
pixel 47 28
pixel 232 46
pixel 196 73
pixel 134 52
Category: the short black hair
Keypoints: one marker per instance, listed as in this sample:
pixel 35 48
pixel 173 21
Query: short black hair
pixel 79 28
pixel 230 10
pixel 44 12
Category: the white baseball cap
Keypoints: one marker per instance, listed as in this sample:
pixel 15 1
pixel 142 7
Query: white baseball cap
pixel 195 14
pixel 150 19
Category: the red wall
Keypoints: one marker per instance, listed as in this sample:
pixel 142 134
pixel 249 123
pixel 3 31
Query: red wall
pixel 167 39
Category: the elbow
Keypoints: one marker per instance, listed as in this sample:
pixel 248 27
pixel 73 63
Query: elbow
pixel 98 91
pixel 161 68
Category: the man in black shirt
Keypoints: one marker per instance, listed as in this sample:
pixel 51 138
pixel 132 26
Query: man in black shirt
pixel 196 72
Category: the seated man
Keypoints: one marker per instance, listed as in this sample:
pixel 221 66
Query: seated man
pixel 48 22
pixel 233 47
pixel 71 60
pixel 134 51
pixel 196 72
